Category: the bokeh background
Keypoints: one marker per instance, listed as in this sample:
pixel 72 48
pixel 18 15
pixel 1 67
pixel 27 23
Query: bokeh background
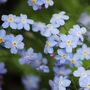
pixel 12 80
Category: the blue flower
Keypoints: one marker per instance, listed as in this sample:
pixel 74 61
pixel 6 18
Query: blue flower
pixel 58 19
pixel 84 52
pixel 14 43
pixel 31 82
pixel 2 36
pixel 43 68
pixel 81 72
pixel 68 42
pixel 62 71
pixel 9 20
pixel 77 31
pixel 37 61
pixel 38 26
pixel 74 60
pixel 62 55
pixel 84 19
pixel 27 56
pixel 50 30
pixel 60 83
pixel 3 1
pixel 49 46
pixel 85 83
pixel 48 2
pixel 3 70
pixel 24 22
pixel 35 3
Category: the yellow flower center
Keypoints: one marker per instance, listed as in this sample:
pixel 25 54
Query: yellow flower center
pixel 61 73
pixel 84 74
pixel 27 57
pixel 34 1
pixel 85 18
pixel 10 19
pixel 63 55
pixel 47 1
pixel 73 61
pixel 50 27
pixel 89 85
pixel 84 52
pixel 60 83
pixel 14 44
pixel 1 40
pixel 24 20
pixel 48 45
pixel 68 42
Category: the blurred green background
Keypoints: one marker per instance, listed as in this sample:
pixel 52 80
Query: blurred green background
pixel 12 80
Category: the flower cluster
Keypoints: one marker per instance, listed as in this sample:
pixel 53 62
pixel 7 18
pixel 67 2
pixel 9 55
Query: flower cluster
pixel 35 60
pixel 84 80
pixel 16 22
pixel 30 82
pixel 38 4
pixel 11 42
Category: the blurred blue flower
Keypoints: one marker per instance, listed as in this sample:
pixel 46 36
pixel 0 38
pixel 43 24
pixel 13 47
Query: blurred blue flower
pixel 3 70
pixel 9 20
pixel 27 56
pixel 62 71
pixel 38 26
pixel 37 61
pixel 43 68
pixel 68 42
pixel 24 22
pixel 14 43
pixel 84 52
pixel 77 31
pixel 3 1
pixel 84 19
pixel 58 19
pixel 30 82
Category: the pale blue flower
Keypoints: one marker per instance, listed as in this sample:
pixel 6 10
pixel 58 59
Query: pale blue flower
pixel 3 70
pixel 30 82
pixel 9 20
pixel 81 72
pixel 48 2
pixel 50 30
pixel 76 31
pixel 84 52
pixel 14 43
pixel 58 19
pixel 85 83
pixel 68 42
pixel 62 71
pixel 24 22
